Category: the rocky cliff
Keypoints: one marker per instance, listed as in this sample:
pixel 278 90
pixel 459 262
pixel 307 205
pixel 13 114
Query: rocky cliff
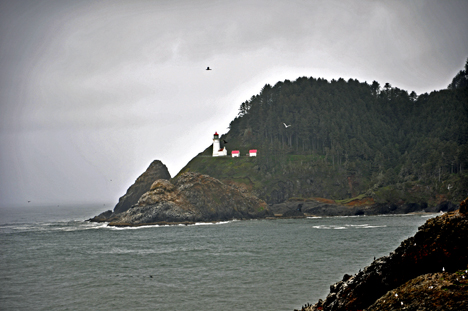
pixel 192 197
pixel 426 272
pixel 364 206
pixel 156 170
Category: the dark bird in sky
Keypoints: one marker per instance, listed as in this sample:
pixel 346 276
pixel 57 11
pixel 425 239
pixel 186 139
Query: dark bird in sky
pixel 286 126
pixel 208 68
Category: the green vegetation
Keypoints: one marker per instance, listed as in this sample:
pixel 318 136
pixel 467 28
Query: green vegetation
pixel 348 139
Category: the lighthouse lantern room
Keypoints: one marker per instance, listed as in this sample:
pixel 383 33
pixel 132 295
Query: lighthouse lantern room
pixel 217 150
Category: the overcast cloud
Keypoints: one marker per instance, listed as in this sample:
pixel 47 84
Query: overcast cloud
pixel 92 91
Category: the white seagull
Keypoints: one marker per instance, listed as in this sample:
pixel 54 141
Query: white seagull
pixel 286 126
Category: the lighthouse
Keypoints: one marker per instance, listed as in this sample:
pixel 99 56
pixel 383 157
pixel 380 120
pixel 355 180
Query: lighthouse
pixel 217 150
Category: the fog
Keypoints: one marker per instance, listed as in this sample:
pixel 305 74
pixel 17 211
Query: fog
pixel 91 92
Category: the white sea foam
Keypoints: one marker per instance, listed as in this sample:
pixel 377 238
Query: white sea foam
pixel 66 226
pixel 214 223
pixel 136 227
pixel 168 225
pixel 348 226
pixel 365 226
pixel 431 215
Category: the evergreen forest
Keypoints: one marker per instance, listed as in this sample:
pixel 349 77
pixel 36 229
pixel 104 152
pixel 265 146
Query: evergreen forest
pixel 348 139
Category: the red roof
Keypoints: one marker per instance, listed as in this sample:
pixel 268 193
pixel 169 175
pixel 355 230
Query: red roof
pixel 216 133
pixel 235 151
pixel 253 151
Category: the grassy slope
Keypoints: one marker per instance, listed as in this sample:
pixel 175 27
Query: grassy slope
pixel 279 177
pixel 275 177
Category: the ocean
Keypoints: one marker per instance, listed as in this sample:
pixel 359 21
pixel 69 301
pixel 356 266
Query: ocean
pixel 52 259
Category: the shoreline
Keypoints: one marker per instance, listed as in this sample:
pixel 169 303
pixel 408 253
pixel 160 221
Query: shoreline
pixel 295 208
pixel 276 217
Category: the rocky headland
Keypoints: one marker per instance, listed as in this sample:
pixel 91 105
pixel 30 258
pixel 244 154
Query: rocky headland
pixel 192 197
pixel 156 170
pixel 156 198
pixel 428 271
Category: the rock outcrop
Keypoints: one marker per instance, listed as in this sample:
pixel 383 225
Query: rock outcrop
pixel 325 207
pixel 192 197
pixel 431 264
pixel 156 170
pixel 428 292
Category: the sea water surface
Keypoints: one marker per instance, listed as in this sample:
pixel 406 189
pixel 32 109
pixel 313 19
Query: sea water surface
pixel 52 259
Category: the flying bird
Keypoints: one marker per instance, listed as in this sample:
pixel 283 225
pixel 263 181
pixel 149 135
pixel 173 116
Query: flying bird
pixel 208 68
pixel 286 126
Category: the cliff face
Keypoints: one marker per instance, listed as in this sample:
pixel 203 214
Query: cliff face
pixel 192 197
pixel 431 263
pixel 325 207
pixel 156 170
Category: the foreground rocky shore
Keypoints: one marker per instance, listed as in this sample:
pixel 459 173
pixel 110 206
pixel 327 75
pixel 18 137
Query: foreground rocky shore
pixel 428 271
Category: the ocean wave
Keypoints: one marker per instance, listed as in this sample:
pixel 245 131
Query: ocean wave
pixel 431 215
pixel 79 226
pixel 215 223
pixel 135 227
pixel 167 249
pixel 51 226
pixel 169 225
pixel 363 226
pixel 348 226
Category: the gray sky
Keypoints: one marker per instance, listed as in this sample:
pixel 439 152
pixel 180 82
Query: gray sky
pixel 92 91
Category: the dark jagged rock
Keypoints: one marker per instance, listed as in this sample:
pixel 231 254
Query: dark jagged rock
pixel 428 292
pixel 102 217
pixel 441 244
pixel 291 208
pixel 446 206
pixel 192 197
pixel 156 170
pixel 464 206
pixel 294 213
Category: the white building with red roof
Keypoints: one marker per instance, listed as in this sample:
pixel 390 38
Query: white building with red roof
pixel 253 152
pixel 235 153
pixel 218 151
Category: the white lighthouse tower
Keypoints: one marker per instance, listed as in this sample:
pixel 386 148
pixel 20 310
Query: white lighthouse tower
pixel 217 150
